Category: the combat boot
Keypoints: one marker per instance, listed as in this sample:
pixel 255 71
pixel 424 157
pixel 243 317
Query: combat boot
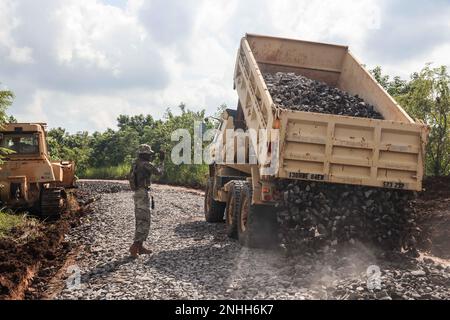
pixel 134 249
pixel 143 250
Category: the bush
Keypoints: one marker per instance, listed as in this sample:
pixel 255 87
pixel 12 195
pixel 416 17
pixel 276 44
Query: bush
pixel 9 220
pixel 184 175
pixel 119 172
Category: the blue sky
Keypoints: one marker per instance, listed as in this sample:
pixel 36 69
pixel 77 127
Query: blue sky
pixel 80 63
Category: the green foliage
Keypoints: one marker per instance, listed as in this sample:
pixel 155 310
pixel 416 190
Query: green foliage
pixel 11 119
pixel 184 174
pixel 111 173
pixel 6 100
pixel 426 96
pixel 394 87
pixel 9 220
pixel 220 110
pixel 428 99
pixel 74 147
pixel 108 155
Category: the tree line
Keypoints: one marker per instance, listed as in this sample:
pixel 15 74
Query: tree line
pixel 109 154
pixel 425 96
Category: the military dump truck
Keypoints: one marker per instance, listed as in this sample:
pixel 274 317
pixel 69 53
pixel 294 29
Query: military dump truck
pixel 28 178
pixel 325 148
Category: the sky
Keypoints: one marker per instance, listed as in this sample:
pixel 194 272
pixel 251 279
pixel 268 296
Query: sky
pixel 78 64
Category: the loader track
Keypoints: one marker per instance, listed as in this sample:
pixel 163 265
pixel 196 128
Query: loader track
pixel 52 202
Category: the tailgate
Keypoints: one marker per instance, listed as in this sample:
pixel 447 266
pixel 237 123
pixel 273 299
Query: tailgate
pixel 350 150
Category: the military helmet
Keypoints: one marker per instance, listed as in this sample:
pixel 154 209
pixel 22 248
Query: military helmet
pixel 145 149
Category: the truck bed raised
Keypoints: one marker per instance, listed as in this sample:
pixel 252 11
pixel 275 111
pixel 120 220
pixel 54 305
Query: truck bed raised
pixel 330 148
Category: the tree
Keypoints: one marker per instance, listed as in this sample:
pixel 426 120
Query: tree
pixel 6 100
pixel 74 147
pixel 394 87
pixel 383 80
pixel 428 99
pixel 137 123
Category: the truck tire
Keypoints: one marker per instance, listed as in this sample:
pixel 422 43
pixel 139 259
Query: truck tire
pixel 52 203
pixel 232 208
pixel 257 225
pixel 214 210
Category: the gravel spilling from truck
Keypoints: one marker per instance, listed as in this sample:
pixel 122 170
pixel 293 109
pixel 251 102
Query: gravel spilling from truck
pixel 320 216
pixel 296 92
pixel 194 259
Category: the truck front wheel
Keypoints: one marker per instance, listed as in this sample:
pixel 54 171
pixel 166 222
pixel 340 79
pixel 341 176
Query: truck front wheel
pixel 214 210
pixel 233 207
pixel 257 224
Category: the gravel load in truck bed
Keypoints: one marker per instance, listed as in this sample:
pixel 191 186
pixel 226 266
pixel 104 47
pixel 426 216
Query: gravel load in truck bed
pixel 297 92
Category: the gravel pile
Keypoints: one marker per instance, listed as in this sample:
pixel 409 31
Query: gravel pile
pixel 319 216
pixel 196 260
pixel 297 92
pixel 402 279
pixel 98 187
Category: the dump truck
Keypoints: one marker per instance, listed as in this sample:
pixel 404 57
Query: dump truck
pixel 324 148
pixel 29 179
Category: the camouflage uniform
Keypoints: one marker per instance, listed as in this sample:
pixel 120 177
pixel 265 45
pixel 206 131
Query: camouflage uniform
pixel 144 171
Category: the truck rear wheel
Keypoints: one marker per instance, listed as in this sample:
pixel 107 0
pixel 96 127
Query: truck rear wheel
pixel 214 210
pixel 257 225
pixel 233 207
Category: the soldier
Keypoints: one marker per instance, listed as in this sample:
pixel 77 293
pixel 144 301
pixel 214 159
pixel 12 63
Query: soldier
pixel 140 180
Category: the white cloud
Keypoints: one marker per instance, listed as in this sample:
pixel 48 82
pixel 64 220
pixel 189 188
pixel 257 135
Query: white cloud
pixel 80 63
pixel 16 54
pixel 93 33
pixel 438 56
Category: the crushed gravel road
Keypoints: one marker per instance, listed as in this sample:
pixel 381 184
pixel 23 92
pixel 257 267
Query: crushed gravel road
pixel 195 260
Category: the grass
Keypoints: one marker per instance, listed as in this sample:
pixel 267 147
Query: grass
pixel 9 221
pixel 110 173
pixel 182 175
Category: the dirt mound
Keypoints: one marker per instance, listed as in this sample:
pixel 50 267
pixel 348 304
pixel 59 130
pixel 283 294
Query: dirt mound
pixel 27 255
pixel 433 206
pixel 20 261
pixel 436 188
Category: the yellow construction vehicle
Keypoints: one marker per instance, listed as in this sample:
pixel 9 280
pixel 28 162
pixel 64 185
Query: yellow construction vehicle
pixel 324 148
pixel 28 178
